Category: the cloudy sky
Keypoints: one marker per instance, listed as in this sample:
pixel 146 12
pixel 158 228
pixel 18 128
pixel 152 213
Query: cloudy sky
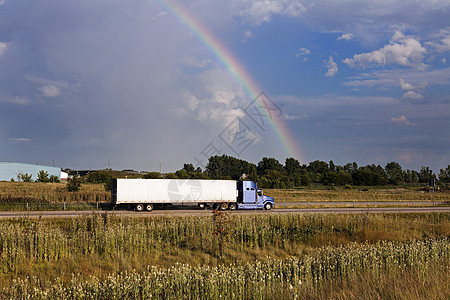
pixel 87 83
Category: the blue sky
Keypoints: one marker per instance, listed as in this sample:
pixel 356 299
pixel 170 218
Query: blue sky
pixel 87 82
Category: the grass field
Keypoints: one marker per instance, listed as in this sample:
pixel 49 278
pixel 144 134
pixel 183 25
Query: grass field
pixel 52 196
pixel 346 256
pixel 364 194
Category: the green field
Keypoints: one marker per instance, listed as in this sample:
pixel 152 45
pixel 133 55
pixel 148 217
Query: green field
pixel 262 256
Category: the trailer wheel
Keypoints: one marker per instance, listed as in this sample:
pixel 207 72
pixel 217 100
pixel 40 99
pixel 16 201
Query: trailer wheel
pixel 202 205
pixel 139 207
pixel 232 206
pixel 268 206
pixel 223 206
pixel 149 207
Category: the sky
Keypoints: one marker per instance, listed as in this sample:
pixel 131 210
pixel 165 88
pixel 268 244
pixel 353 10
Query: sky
pixel 153 84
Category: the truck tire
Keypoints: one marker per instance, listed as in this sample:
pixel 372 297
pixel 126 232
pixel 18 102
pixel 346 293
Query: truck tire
pixel 149 207
pixel 139 207
pixel 202 205
pixel 232 206
pixel 223 206
pixel 268 206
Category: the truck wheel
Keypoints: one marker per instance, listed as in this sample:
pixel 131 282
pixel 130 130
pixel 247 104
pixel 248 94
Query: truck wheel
pixel 268 206
pixel 232 206
pixel 202 205
pixel 139 207
pixel 149 207
pixel 223 206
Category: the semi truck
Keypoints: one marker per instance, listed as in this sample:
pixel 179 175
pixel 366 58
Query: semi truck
pixel 148 194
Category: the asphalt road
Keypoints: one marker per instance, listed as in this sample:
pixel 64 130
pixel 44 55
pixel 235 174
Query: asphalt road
pixel 199 212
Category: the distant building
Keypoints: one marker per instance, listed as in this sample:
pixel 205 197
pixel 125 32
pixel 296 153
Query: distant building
pixel 10 170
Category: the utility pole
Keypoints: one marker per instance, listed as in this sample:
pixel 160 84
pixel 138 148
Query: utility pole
pixel 160 167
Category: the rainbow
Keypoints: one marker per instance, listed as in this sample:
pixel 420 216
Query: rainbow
pixel 229 62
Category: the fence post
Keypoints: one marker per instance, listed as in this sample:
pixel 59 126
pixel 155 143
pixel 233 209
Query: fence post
pixel 28 207
pixel 64 205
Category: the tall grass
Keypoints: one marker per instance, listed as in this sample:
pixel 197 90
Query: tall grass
pixel 422 266
pixel 15 195
pixel 99 243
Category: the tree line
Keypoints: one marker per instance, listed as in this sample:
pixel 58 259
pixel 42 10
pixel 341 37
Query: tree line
pixel 270 173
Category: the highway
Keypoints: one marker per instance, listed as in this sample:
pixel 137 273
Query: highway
pixel 186 211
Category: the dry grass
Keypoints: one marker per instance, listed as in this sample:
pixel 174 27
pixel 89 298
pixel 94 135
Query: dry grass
pixel 100 245
pixel 50 193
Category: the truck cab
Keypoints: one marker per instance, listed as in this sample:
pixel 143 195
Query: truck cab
pixel 250 197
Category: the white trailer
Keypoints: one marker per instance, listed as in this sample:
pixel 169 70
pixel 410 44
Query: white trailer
pixel 147 193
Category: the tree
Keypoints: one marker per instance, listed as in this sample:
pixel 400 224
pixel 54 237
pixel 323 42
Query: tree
pixel 366 176
pixel 182 174
pixel 54 178
pixel 221 167
pixel 99 177
pixel 292 167
pixel 343 178
pixel 394 172
pixel 444 175
pixel 351 167
pixel 24 177
pixel 74 184
pixel 425 174
pixel 267 164
pixel 332 166
pixel 152 175
pixel 43 176
pixel 411 176
pixel 317 166
pixel 189 168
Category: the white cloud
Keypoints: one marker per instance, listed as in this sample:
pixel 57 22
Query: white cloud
pixel 20 100
pixel 20 140
pixel 247 34
pixel 412 95
pixel 401 50
pixel 302 52
pixel 332 67
pixel 213 98
pixel 290 117
pixel 444 60
pixel 345 36
pixel 297 116
pixel 196 62
pixel 3 46
pixel 443 43
pixel 402 120
pixel 370 20
pixel 405 85
pixel 261 11
pixel 418 79
pixel 50 91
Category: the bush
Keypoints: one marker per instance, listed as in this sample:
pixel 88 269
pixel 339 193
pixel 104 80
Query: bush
pixel 55 179
pixel 43 176
pixel 152 175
